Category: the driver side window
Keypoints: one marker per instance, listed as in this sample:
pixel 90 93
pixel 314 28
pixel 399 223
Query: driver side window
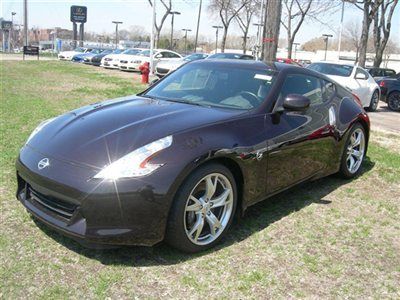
pixel 306 85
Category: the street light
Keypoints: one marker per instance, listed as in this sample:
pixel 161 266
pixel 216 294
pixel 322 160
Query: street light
pixel 326 38
pixel 10 38
pixel 295 48
pixel 116 32
pixel 173 13
pixel 186 31
pixel 216 36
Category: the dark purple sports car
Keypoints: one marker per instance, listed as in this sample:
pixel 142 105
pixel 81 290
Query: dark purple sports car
pixel 179 160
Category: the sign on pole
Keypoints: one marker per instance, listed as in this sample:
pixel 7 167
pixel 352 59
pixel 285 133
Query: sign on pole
pixel 78 14
pixel 6 25
pixel 31 50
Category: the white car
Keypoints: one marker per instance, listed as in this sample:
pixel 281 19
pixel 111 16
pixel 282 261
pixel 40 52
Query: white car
pixel 355 78
pixel 111 61
pixel 165 67
pixel 133 63
pixel 67 55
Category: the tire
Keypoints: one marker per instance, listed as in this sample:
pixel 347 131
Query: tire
pixel 349 154
pixel 393 101
pixel 189 226
pixel 374 101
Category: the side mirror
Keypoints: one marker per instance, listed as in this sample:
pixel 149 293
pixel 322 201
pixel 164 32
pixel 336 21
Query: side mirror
pixel 296 102
pixel 361 76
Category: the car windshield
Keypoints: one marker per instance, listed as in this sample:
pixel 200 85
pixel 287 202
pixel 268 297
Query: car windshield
pixel 195 56
pixel 216 86
pixel 332 69
pixel 131 51
pixel 96 51
pixel 79 49
pixel 117 51
pixel 107 51
pixel 225 55
pixel 145 53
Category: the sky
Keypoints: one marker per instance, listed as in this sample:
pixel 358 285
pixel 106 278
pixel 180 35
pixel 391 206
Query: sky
pixel 50 14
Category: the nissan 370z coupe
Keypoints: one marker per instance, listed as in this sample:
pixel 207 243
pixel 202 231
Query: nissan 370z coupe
pixel 177 161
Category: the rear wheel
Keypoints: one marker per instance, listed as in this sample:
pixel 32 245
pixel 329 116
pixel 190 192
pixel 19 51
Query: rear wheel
pixel 354 152
pixel 393 101
pixel 374 101
pixel 203 209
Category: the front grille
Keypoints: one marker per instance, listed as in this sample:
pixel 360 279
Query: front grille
pixel 123 67
pixel 108 59
pixel 87 59
pixel 59 207
pixel 162 70
pixel 123 61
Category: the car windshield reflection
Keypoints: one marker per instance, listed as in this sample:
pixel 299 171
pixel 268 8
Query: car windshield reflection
pixel 216 86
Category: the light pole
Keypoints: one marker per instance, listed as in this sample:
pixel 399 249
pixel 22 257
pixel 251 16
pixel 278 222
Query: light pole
pixel 326 38
pixel 341 31
pixel 116 32
pixel 173 13
pixel 197 28
pixel 217 28
pixel 295 48
pixel 186 31
pixel 10 38
pixel 258 42
pixel 25 22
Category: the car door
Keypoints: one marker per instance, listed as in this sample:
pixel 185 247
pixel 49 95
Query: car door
pixel 363 86
pixel 300 143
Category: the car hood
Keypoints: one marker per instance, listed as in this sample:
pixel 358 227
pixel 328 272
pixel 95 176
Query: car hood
pixel 113 56
pixel 102 132
pixel 126 56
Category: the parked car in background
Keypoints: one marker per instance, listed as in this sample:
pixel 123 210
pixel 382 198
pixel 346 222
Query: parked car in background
pixel 230 56
pixel 81 56
pixel 304 62
pixel 96 59
pixel 355 78
pixel 390 92
pixel 379 73
pixel 111 61
pixel 288 61
pixel 159 55
pixel 179 161
pixel 67 55
pixel 165 67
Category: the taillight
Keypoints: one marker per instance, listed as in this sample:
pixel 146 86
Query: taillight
pixel 358 100
pixel 382 83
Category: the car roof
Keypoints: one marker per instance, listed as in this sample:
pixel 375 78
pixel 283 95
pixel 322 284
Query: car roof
pixel 256 64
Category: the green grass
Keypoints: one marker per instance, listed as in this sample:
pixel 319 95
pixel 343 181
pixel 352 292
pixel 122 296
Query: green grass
pixel 326 239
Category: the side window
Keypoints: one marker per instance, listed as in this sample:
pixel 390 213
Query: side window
pixel 172 55
pixel 360 73
pixel 305 85
pixel 390 73
pixel 328 90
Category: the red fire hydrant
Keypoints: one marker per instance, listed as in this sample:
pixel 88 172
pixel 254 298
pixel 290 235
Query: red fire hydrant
pixel 145 71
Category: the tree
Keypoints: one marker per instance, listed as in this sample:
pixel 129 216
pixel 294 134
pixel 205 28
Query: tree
pixel 273 11
pixel 352 33
pixel 369 8
pixel 244 18
pixel 296 11
pixel 168 8
pixel 227 10
pixel 381 30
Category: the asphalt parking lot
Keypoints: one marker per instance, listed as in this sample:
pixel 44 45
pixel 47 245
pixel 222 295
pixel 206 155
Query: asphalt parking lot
pixel 385 119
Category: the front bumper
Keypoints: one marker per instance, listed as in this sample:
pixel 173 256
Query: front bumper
pixel 130 212
pixel 129 67
pixel 109 65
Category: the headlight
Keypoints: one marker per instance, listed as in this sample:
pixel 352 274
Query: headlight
pixel 38 128
pixel 137 62
pixel 136 163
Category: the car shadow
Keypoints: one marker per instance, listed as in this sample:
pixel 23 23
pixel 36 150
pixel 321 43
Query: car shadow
pixel 256 218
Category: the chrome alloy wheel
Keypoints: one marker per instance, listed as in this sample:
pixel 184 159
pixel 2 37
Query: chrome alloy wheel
pixel 355 150
pixel 208 209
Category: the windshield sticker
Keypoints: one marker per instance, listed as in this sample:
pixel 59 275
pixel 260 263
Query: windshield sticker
pixel 263 77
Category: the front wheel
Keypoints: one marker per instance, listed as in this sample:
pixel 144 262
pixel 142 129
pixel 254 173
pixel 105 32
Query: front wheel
pixel 354 152
pixel 374 101
pixel 203 209
pixel 393 101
